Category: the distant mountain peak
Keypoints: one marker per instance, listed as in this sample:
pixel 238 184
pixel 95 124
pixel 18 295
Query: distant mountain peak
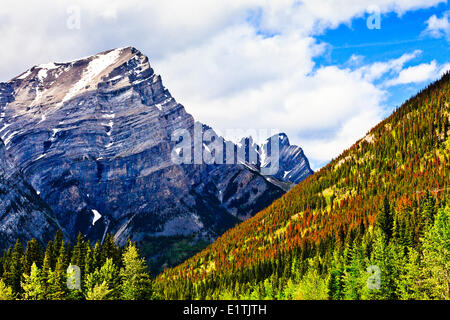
pixel 293 166
pixel 282 138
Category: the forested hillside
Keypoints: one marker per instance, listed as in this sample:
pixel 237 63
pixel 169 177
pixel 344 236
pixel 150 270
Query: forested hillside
pixel 372 224
pixel 106 271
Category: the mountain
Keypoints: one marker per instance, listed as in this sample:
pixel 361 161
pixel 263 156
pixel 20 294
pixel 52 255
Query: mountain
pixel 372 224
pixel 293 166
pixel 95 138
pixel 23 215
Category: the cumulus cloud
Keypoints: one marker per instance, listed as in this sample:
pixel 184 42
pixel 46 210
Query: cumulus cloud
pixel 377 70
pixel 232 63
pixel 424 72
pixel 415 74
pixel 438 27
pixel 305 103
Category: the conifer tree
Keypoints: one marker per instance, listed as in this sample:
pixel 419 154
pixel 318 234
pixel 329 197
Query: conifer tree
pixel 382 259
pixel 78 253
pixel 97 256
pixel 88 258
pixel 436 256
pixel 56 286
pixel 32 285
pixel 428 210
pixel 32 254
pixel 111 250
pixel 312 286
pixel 99 292
pixel 56 282
pixel 108 274
pixel 409 283
pixel 47 264
pixel 6 293
pixel 385 219
pixel 15 270
pixel 136 284
pixel 58 241
pixel 6 262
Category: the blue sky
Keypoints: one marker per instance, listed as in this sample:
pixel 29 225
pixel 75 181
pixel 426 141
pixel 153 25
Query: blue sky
pixel 398 34
pixel 309 68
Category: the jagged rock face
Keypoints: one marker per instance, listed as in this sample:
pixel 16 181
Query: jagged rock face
pixel 93 138
pixel 23 214
pixel 293 166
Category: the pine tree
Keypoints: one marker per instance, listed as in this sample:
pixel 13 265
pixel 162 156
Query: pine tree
pixel 78 253
pixel 47 265
pixel 409 283
pixel 335 285
pixel 136 284
pixel 89 259
pixel 353 277
pixel 15 270
pixel 6 262
pixel 385 219
pixel 111 250
pixel 99 292
pixel 97 256
pixel 382 260
pixel 32 254
pixel 33 288
pixel 6 293
pixel 312 286
pixel 56 287
pixel 58 241
pixel 436 256
pixel 108 274
pixel 56 282
pixel 428 210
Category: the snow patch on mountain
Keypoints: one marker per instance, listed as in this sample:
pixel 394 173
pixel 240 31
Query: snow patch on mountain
pixel 96 66
pixel 97 216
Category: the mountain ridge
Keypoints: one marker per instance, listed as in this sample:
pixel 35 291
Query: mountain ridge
pixel 94 139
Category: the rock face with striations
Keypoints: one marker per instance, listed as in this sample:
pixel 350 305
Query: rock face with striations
pixel 293 166
pixel 23 214
pixel 93 138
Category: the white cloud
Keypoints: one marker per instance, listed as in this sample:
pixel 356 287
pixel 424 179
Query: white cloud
pixel 439 27
pixel 321 150
pixel 378 69
pixel 415 74
pixel 236 61
pixel 213 59
pixel 444 68
pixel 159 27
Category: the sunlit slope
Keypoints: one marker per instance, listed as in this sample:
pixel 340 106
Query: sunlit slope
pixel 402 156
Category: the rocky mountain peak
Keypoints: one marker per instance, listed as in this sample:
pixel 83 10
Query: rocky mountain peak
pixel 283 139
pixel 54 84
pixel 293 166
pixel 93 139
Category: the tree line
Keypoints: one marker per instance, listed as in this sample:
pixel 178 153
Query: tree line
pixel 106 271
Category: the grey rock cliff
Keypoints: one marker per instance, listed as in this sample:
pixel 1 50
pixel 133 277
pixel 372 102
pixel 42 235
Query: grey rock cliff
pixel 293 166
pixel 23 214
pixel 93 138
